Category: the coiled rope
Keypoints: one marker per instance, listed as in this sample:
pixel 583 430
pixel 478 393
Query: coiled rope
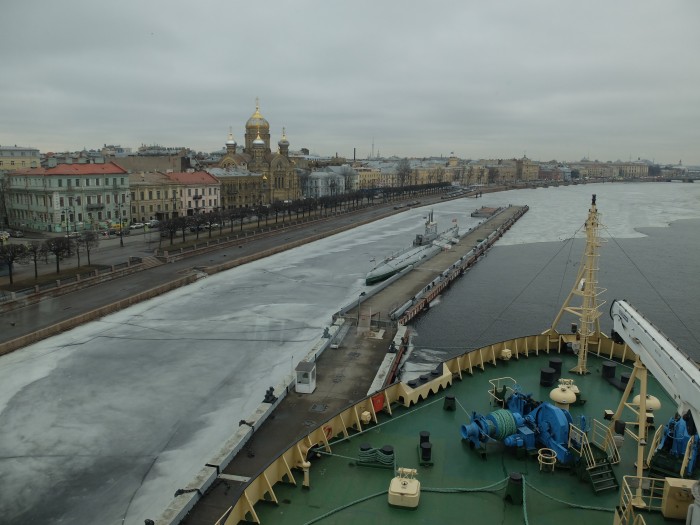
pixel 505 423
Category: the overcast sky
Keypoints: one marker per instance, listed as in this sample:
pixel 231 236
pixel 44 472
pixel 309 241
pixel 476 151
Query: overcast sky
pixel 549 79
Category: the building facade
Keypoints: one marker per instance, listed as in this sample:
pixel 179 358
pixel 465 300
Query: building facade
pixel 16 158
pixel 199 192
pixel 65 197
pixel 154 195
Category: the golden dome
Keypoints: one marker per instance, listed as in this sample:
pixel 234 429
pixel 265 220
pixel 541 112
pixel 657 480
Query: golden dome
pixel 257 121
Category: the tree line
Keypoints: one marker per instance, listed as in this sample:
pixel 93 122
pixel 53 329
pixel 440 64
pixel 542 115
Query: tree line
pixel 58 247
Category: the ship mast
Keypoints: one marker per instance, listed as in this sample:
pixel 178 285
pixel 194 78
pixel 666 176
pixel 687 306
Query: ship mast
pixel 585 287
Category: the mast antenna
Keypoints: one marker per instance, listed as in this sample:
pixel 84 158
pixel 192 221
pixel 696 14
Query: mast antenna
pixel 587 332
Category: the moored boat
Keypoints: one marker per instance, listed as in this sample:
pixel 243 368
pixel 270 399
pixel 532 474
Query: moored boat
pixel 424 247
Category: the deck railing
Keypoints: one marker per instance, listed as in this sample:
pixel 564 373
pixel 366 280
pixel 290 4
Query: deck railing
pixel 354 418
pixel 639 493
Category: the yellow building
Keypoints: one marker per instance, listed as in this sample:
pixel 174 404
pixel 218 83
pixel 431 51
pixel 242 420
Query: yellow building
pixel 527 170
pixel 368 178
pixel 154 196
pixel 16 158
pixel 633 170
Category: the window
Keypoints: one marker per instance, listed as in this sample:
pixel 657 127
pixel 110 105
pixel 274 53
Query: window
pixel 158 194
pixel 60 183
pixel 77 182
pixel 150 208
pixel 122 181
pixel 166 206
pixel 143 209
pixel 189 192
pixel 97 182
pixel 150 195
pixel 107 197
pixel 133 195
pixel 87 182
pixel 61 202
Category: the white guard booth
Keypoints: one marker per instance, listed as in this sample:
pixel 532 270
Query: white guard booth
pixel 306 378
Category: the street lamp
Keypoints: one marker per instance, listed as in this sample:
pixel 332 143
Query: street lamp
pixel 121 224
pixel 67 212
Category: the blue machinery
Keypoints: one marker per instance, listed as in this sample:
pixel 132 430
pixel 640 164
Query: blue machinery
pixel 680 440
pixel 524 424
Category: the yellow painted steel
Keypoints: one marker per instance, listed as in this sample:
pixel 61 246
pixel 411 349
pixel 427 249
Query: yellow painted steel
pixel 261 487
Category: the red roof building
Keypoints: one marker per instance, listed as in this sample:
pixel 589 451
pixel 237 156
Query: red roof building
pixel 66 197
pixel 200 192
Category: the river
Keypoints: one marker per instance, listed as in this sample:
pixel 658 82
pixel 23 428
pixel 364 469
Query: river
pixel 649 256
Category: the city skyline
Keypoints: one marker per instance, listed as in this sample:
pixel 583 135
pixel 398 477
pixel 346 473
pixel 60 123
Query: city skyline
pixel 543 79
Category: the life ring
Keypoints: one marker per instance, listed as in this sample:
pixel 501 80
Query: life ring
pixel 328 432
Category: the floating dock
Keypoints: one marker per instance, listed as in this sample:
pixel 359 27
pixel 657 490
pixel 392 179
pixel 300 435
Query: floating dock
pixel 485 212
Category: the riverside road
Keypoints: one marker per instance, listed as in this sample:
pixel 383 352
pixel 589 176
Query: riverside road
pixel 52 310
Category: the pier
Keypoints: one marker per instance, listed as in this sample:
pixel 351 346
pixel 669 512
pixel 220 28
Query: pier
pixel 422 284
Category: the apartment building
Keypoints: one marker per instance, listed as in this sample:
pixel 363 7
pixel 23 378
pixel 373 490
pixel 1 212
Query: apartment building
pixel 66 197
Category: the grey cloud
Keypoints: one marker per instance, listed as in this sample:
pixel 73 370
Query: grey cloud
pixel 557 80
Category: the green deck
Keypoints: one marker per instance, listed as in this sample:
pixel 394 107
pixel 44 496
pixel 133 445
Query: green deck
pixel 342 491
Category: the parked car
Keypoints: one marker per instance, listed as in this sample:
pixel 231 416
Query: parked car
pixel 73 235
pixel 137 226
pixel 16 233
pixel 200 227
pixel 153 223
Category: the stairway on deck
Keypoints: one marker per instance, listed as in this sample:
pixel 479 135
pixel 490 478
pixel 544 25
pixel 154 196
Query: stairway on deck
pixel 602 476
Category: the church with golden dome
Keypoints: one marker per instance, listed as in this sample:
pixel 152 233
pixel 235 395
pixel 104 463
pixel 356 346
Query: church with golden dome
pixel 255 175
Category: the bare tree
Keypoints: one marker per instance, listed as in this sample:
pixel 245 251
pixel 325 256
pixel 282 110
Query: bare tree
pixel 11 254
pixel 169 226
pixel 403 172
pixel 349 175
pixel 90 240
pixel 77 245
pixel 181 223
pixel 35 250
pixel 197 222
pixel 59 247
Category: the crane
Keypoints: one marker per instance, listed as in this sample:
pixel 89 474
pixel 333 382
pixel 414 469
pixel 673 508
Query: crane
pixel 674 370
